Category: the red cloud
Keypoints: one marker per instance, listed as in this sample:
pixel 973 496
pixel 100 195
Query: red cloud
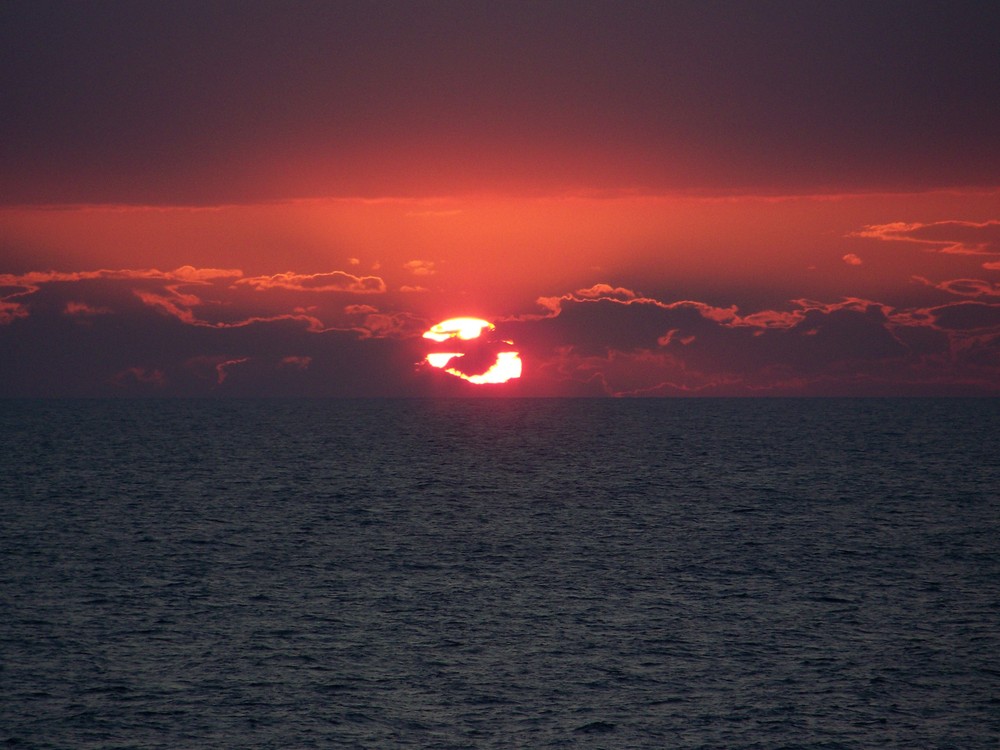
pixel 335 281
pixel 606 291
pixel 190 273
pixel 964 287
pixel 181 306
pixel 222 368
pixel 200 297
pixel 32 279
pixel 622 296
pixel 956 237
pixel 26 284
pixel 11 311
pixel 176 305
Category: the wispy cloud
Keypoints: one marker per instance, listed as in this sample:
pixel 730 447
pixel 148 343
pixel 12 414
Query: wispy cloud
pixel 32 279
pixel 964 287
pixel 953 237
pixel 334 281
pixel 420 267
pixel 83 310
pixel 181 306
pixel 222 369
pixel 11 311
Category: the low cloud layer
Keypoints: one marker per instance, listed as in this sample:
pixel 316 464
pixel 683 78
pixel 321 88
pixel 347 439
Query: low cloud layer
pixel 215 332
pixel 621 343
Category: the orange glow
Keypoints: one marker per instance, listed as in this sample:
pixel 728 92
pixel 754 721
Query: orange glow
pixel 506 366
pixel 506 251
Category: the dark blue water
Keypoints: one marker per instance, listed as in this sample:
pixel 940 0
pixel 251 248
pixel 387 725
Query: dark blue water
pixel 500 574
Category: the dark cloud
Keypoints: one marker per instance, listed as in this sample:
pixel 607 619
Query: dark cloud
pixel 965 287
pixel 142 333
pixel 186 332
pixel 633 345
pixel 967 316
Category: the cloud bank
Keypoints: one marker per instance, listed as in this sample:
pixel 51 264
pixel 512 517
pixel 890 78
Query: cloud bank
pixel 618 342
pixel 209 331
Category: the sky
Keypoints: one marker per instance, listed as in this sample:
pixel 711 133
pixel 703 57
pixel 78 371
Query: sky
pixel 643 198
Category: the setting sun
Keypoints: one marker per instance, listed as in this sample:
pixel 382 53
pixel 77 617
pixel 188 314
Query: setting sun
pixel 458 328
pixel 501 363
pixel 613 215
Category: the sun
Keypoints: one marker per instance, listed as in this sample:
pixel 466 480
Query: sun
pixel 480 359
pixel 460 328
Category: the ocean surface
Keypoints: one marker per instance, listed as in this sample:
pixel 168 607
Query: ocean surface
pixel 500 574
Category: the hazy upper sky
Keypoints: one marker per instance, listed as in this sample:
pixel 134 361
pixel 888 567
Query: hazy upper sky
pixel 647 198
pixel 208 102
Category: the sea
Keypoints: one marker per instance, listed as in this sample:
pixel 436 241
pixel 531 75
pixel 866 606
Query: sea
pixel 500 573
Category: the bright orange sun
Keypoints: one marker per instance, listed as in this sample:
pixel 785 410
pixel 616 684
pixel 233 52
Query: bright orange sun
pixel 484 360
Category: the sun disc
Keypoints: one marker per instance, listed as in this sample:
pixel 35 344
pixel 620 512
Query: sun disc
pixel 504 363
pixel 465 329
pixel 440 359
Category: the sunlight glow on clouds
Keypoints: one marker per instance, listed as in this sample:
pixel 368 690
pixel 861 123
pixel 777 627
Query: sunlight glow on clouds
pixel 706 299
pixel 660 199
pixel 954 237
pixel 603 339
pixel 336 281
pixel 686 347
pixel 965 287
pixel 485 362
